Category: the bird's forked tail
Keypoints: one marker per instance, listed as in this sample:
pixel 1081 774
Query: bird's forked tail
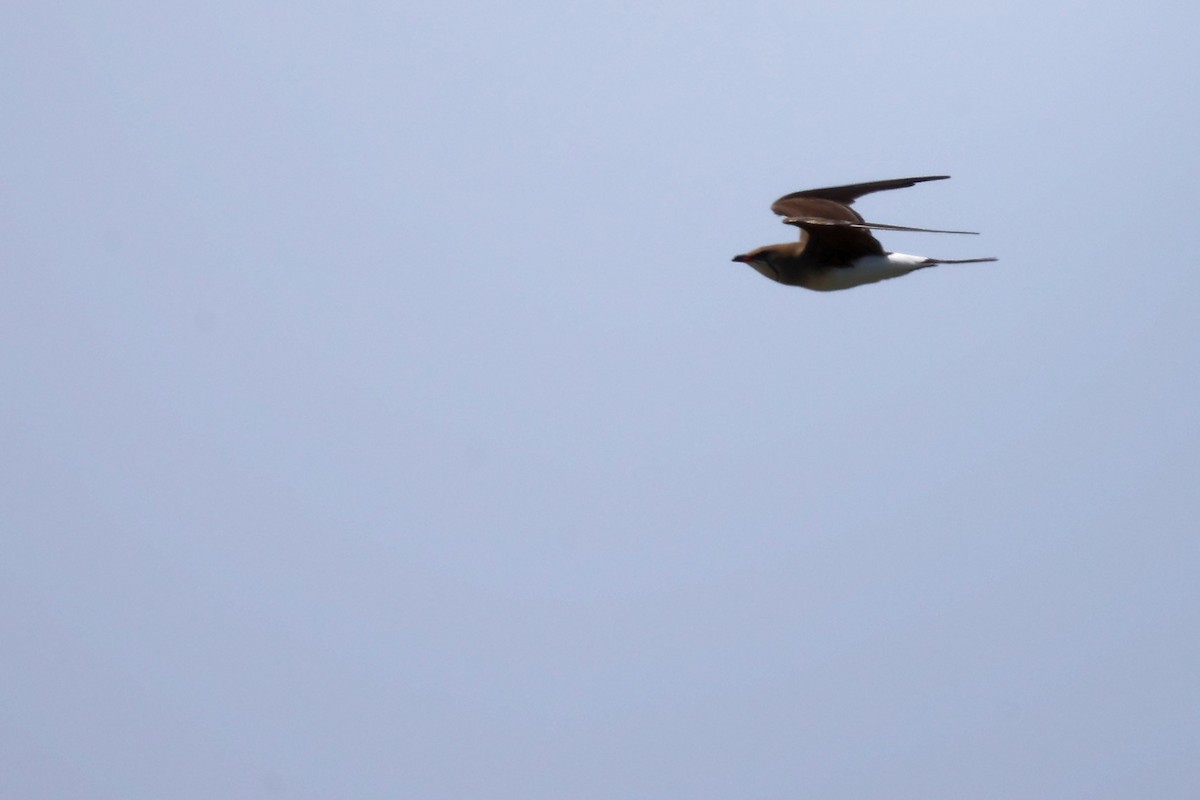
pixel 929 262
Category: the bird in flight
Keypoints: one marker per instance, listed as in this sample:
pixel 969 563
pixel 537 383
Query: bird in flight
pixel 836 249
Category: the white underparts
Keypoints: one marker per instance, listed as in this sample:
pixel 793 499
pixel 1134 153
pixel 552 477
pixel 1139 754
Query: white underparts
pixel 867 269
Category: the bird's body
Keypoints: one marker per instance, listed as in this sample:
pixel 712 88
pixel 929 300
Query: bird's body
pixel 776 263
pixel 836 249
pixel 865 269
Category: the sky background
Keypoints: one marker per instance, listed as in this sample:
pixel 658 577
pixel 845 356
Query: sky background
pixel 383 416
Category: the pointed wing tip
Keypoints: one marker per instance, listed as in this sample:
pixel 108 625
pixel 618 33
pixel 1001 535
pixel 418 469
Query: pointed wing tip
pixel 922 179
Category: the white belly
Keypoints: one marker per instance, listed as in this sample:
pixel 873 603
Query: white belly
pixel 867 269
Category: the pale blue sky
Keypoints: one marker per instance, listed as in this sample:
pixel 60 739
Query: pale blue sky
pixel 384 418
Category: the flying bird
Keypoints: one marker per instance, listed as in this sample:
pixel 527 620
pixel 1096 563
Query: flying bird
pixel 836 249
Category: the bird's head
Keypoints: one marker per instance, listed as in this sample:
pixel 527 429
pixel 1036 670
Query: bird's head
pixel 763 260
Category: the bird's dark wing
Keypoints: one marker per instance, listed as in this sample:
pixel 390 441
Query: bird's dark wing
pixel 878 226
pixel 786 206
pixel 835 242
pixel 815 208
pixel 839 241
